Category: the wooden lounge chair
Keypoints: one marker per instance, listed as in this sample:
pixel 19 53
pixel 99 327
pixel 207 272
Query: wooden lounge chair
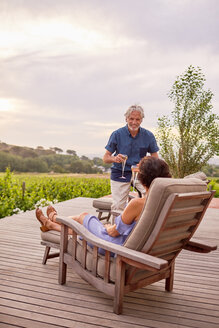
pixel 51 239
pixel 172 213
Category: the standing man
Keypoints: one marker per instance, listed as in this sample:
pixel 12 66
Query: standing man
pixel 134 142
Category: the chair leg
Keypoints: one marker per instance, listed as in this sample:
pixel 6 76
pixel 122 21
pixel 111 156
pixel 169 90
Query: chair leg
pixel 62 272
pixel 108 216
pixel 63 250
pixel 119 286
pixel 100 215
pixel 46 254
pixel 169 281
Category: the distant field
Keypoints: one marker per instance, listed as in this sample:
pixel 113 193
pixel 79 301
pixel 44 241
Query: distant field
pixel 57 175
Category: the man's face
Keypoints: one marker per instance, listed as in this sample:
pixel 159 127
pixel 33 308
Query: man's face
pixel 134 121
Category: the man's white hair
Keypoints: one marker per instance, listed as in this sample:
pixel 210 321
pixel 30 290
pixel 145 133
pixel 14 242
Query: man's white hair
pixel 133 108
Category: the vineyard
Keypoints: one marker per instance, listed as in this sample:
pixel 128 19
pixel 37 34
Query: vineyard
pixel 19 193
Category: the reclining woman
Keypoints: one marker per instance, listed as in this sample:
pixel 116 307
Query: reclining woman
pixel 149 169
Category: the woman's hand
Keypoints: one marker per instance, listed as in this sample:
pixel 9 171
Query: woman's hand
pixel 111 230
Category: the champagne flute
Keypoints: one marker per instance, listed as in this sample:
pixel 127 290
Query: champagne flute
pixel 125 157
pixel 134 174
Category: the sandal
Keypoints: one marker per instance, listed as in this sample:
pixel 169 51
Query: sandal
pixel 39 213
pixel 51 212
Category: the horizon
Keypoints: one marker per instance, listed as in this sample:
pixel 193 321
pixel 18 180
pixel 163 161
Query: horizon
pixel 212 161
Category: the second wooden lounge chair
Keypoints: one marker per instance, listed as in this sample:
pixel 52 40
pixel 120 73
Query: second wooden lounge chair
pixel 172 212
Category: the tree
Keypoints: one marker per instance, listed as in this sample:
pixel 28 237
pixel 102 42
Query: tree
pixel 57 149
pixel 99 162
pixel 211 170
pixel 85 158
pixel 71 152
pixel 35 165
pixel 76 166
pixel 190 139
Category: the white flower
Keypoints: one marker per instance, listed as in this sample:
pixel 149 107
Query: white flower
pixel 17 210
pixel 44 202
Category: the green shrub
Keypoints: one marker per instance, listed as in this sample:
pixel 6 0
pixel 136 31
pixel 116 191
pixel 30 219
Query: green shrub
pixel 214 185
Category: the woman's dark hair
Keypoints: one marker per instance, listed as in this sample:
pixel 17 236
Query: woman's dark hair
pixel 150 168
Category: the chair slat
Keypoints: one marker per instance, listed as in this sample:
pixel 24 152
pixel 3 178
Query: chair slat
pixel 190 196
pixel 172 238
pixel 95 257
pixel 166 250
pixel 179 225
pixel 74 245
pixel 186 210
pixel 84 254
pixel 107 266
pixel 175 222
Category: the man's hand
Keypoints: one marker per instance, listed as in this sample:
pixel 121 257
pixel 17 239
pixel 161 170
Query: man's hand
pixel 119 158
pixel 109 158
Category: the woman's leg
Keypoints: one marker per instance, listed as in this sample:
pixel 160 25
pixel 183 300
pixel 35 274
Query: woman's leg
pixel 79 218
pixel 52 215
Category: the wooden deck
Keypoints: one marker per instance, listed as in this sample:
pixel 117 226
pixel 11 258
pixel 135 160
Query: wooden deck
pixel 30 295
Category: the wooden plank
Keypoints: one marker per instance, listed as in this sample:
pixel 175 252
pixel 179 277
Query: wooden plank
pixel 82 293
pixel 95 257
pixel 187 210
pixel 107 267
pixel 14 321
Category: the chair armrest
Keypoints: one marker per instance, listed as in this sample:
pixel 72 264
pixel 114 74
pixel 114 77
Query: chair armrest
pixel 116 213
pixel 124 252
pixel 196 245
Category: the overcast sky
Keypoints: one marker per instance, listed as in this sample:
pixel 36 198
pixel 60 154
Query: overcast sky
pixel 69 69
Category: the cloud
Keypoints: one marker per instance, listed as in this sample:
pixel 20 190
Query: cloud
pixel 72 68
pixel 103 124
